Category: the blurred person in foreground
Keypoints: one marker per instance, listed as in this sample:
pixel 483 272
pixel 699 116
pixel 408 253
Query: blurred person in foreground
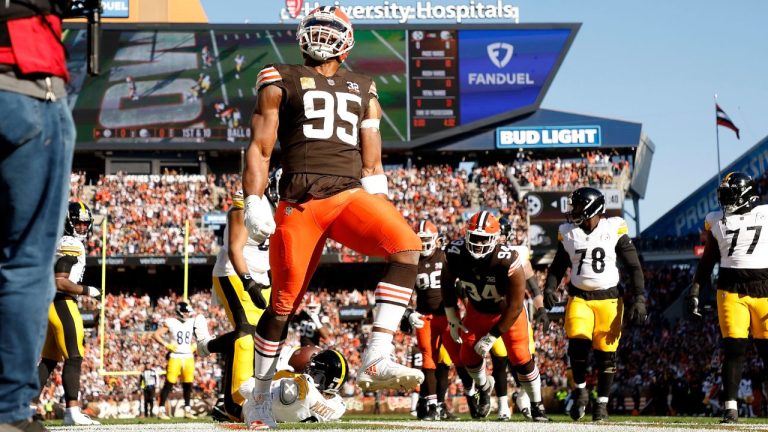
pixel 333 186
pixel 37 138
pixel 735 242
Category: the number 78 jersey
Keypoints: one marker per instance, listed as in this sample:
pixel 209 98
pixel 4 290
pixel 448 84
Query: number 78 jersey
pixel 593 255
pixel 740 238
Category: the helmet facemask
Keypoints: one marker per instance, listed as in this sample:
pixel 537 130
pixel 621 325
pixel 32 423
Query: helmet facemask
pixel 481 243
pixel 734 199
pixel 79 221
pixel 325 35
pixel 428 243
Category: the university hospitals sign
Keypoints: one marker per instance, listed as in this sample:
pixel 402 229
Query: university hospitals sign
pixel 409 10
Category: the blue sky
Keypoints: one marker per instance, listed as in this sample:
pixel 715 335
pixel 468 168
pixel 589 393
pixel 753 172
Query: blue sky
pixel 657 62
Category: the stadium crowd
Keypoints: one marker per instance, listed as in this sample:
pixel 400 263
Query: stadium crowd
pixel 147 213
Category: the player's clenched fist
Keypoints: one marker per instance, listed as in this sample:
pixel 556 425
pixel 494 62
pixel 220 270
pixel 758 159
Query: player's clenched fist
pixel 258 218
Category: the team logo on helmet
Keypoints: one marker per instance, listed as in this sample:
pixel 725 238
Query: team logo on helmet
pixel 328 370
pixel 79 221
pixel 482 234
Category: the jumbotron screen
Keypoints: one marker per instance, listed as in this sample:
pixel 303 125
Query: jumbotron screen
pixel 168 86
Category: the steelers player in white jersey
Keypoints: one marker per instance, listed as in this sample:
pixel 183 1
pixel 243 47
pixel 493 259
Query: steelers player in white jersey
pixel 591 246
pixel 242 284
pixel 309 396
pixel 736 241
pixel 182 329
pixel 64 340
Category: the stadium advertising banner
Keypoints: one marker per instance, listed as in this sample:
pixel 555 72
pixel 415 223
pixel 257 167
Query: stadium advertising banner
pixel 548 137
pixel 509 67
pixel 193 86
pixel 115 8
pixel 402 12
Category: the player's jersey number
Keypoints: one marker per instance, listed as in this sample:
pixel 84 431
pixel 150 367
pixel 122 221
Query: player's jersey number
pixel 735 239
pixel 598 259
pixel 323 105
pixel 183 337
pixel 488 293
pixel 428 280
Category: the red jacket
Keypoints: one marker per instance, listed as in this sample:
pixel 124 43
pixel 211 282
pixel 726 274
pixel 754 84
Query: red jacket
pixel 35 49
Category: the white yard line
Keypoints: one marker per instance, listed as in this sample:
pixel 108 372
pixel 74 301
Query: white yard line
pixel 218 67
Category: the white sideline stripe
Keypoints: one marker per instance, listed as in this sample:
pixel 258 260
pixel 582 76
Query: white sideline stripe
pixel 218 67
pixel 274 45
pixel 387 44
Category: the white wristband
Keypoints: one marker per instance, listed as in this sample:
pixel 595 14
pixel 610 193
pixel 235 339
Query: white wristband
pixel 375 184
pixel 370 123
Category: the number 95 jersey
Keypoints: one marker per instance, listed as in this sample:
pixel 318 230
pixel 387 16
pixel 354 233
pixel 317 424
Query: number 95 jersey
pixel 319 127
pixel 593 255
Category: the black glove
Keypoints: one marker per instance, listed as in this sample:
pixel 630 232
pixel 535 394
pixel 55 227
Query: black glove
pixel 550 298
pixel 541 315
pixel 692 302
pixel 254 289
pixel 637 312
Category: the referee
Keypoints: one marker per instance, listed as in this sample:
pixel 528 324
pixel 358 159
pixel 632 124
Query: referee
pixel 148 383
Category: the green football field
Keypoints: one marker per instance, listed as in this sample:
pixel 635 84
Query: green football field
pixel 407 423
pixel 185 79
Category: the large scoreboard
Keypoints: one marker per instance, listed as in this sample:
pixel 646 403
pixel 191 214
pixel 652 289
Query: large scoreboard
pixel 193 85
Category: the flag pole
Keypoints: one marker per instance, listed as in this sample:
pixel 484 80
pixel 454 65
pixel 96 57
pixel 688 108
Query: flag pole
pixel 717 138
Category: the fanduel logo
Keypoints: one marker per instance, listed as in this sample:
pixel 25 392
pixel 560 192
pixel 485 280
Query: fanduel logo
pixel 494 53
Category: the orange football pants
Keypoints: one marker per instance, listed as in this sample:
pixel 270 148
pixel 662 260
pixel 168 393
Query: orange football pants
pixel 430 338
pixel 365 223
pixel 516 339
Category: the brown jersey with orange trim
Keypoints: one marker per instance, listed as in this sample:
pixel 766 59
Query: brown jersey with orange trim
pixel 484 281
pixel 319 129
pixel 429 298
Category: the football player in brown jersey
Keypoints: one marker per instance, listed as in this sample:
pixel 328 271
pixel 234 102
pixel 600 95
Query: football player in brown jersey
pixel 333 186
pixel 493 280
pixel 431 329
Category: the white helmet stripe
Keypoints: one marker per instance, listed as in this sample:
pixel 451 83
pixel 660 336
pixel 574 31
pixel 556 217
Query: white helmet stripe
pixel 422 226
pixel 481 220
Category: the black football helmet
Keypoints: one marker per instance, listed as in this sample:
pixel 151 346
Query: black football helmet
pixel 183 310
pixel 78 221
pixel 737 193
pixel 328 370
pixel 583 204
pixel 273 187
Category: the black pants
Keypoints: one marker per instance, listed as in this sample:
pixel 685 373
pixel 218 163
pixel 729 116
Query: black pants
pixel 149 400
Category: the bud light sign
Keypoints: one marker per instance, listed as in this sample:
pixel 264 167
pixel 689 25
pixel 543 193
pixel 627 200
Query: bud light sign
pixel 548 137
pixel 510 67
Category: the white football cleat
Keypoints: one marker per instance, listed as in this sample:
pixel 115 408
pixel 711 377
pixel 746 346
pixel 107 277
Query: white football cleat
pixel 76 417
pixel 257 407
pixel 504 412
pixel 379 371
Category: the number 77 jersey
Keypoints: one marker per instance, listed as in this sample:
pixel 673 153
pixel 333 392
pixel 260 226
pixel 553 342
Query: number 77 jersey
pixel 741 239
pixel 593 255
pixel 320 120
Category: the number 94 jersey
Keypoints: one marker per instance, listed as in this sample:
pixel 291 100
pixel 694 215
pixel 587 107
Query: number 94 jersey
pixel 740 238
pixel 319 127
pixel 484 281
pixel 593 255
